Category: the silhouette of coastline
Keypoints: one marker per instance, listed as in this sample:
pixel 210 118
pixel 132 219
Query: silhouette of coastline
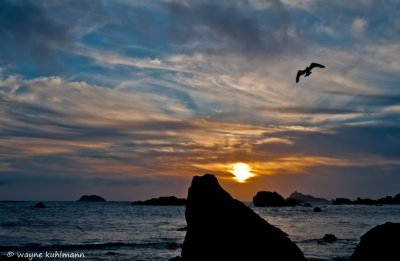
pixel 388 200
pixel 162 201
pixel 274 199
pixel 306 198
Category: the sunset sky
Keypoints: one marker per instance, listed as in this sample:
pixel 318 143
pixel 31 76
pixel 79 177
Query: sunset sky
pixel 131 99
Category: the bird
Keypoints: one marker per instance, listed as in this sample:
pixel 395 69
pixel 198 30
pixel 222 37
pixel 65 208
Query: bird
pixel 307 72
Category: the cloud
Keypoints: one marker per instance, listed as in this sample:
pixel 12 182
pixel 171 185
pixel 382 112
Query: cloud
pixel 358 27
pixel 240 28
pixel 29 32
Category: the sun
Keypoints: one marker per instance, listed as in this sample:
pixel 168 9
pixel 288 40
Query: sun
pixel 241 171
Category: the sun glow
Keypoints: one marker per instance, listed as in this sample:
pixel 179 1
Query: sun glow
pixel 241 171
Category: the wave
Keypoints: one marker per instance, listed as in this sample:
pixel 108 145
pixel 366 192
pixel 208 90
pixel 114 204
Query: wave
pixel 108 246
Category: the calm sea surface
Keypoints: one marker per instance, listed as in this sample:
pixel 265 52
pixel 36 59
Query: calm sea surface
pixel 120 231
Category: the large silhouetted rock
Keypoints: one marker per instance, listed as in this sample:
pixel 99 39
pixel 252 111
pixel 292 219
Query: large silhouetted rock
pixel 222 228
pixel 268 199
pixel 380 243
pixel 162 201
pixel 92 198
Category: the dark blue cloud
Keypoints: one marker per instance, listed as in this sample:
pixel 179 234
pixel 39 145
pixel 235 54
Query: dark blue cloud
pixel 342 142
pixel 30 34
pixel 219 27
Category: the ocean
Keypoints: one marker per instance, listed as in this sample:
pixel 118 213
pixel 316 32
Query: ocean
pixel 121 231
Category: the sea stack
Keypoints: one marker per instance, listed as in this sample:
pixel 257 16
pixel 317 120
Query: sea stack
pixel 222 228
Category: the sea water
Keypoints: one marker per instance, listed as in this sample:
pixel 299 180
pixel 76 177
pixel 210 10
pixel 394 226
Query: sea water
pixel 121 231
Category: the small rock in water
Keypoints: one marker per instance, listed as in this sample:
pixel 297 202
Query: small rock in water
pixel 329 238
pixel 317 209
pixel 40 205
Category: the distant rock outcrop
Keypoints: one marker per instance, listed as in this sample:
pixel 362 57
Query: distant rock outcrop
pixel 342 201
pixel 380 243
pixel 39 205
pixel 268 199
pixel 306 198
pixel 388 200
pixel 366 201
pixel 163 201
pixel 94 198
pixel 222 228
pixel 397 199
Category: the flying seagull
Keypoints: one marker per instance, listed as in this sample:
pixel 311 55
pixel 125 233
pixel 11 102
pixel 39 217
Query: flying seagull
pixel 307 71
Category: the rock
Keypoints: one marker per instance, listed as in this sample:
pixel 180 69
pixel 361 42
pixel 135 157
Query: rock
pixel 386 200
pixel 317 209
pixel 380 243
pixel 177 258
pixel 292 202
pixel 342 201
pixel 366 201
pixel 94 198
pixel 329 238
pixel 39 205
pixel 306 198
pixel 163 201
pixel 268 199
pixel 396 199
pixel 222 228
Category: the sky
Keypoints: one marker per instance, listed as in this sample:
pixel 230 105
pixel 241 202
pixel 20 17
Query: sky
pixel 131 99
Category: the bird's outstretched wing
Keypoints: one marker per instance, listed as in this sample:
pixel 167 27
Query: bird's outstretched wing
pixel 312 65
pixel 299 73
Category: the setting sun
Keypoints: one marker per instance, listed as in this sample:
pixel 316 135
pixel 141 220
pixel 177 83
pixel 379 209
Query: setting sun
pixel 241 171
